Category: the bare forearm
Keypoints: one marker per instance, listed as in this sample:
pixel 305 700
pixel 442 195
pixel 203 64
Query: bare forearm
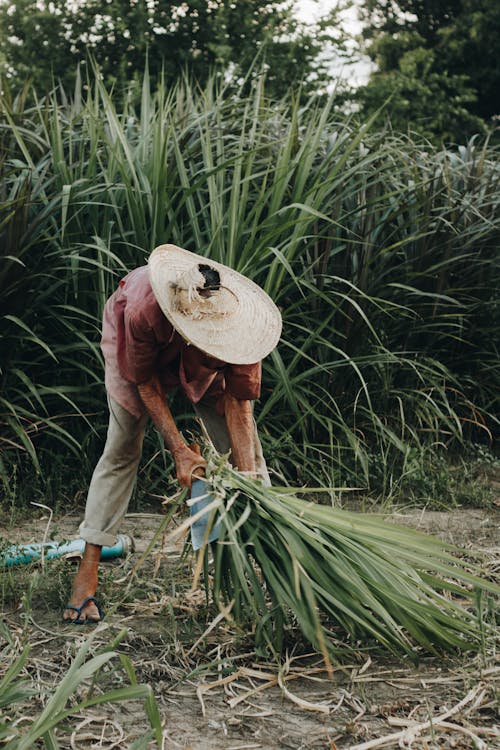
pixel 155 402
pixel 187 458
pixel 240 425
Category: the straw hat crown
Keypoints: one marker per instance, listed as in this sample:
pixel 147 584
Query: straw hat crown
pixel 228 317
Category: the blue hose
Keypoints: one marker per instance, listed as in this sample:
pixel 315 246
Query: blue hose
pixel 22 554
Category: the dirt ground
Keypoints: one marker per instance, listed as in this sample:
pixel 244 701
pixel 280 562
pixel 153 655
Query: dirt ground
pixel 213 692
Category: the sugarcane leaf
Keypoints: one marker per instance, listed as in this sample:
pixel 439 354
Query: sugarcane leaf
pixel 325 565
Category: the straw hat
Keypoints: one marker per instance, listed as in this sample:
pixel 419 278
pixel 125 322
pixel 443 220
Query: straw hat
pixel 231 319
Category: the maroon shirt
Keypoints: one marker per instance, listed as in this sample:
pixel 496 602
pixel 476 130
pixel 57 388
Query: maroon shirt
pixel 138 342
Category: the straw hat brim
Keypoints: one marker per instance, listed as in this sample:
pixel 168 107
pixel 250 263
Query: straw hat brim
pixel 245 335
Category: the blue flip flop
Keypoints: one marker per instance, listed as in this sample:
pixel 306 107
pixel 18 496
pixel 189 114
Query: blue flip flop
pixel 87 621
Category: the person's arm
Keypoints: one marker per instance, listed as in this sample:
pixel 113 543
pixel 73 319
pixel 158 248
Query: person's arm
pixel 187 458
pixel 240 425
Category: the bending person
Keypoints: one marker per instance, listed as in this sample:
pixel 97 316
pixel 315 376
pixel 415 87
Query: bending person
pixel 181 321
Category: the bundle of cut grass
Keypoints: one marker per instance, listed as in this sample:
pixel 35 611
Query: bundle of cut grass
pixel 281 559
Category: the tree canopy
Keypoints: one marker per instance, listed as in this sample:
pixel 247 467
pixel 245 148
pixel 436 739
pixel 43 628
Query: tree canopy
pixel 43 41
pixel 438 61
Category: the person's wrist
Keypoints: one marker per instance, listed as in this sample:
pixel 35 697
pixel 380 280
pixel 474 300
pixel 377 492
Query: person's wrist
pixel 177 450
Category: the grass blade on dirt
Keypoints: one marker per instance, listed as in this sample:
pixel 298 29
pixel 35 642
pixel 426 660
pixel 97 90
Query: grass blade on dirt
pixel 56 711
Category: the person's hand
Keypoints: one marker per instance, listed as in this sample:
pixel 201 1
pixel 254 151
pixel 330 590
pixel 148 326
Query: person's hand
pixel 189 464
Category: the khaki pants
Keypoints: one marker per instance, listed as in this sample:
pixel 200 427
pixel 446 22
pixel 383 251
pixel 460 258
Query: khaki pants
pixel 114 477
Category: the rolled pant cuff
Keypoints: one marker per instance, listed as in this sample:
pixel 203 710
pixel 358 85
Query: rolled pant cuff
pixel 100 538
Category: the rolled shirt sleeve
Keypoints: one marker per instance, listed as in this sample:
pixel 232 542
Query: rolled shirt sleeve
pixel 244 381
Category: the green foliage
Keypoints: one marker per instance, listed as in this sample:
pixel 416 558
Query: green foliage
pixel 440 481
pixel 382 253
pixel 44 41
pixel 280 557
pixel 438 63
pixel 423 100
pixel 16 735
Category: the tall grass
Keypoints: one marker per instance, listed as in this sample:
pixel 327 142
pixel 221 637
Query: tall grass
pixel 381 252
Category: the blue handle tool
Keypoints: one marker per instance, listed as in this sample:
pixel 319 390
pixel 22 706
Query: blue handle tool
pixel 199 527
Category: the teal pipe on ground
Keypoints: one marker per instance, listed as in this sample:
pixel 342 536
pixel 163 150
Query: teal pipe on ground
pixel 22 554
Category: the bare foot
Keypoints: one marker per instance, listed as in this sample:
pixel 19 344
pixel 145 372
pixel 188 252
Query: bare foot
pixel 85 585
